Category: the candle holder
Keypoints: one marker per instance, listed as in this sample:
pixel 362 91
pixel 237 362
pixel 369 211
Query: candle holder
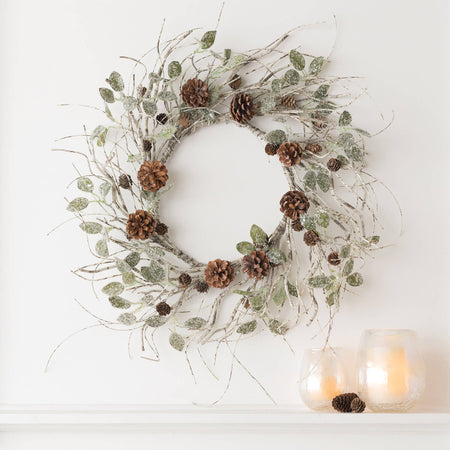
pixel 391 371
pixel 322 377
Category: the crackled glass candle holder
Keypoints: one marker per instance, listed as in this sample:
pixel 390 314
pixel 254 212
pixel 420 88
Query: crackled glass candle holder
pixel 322 376
pixel 391 372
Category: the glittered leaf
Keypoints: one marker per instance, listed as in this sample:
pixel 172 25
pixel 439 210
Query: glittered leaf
pixel 316 65
pixel 129 278
pixel 195 323
pixel 167 96
pixel 309 180
pixel 116 82
pixel 119 302
pixel 98 131
pixel 245 248
pixel 174 69
pixel 85 184
pixel 114 288
pixel 149 107
pixel 122 266
pixel 154 252
pixel 331 298
pixel 91 227
pixel 107 95
pixel 345 140
pixel 292 77
pixel 127 319
pixel 276 137
pixel 280 293
pixel 176 341
pixel 323 181
pixel 104 188
pixel 277 84
pixel 348 267
pixel 214 94
pixel 101 248
pixel 322 91
pixel 354 152
pixel 355 279
pixel 308 222
pixel 319 281
pixel 292 289
pixel 268 103
pixel 154 272
pixel 129 103
pixel 258 235
pixel 257 302
pixel 208 39
pixel 297 59
pixel 276 327
pixel 345 119
pixel 133 259
pixel 322 218
pixel 375 239
pixel 154 77
pixel 247 327
pixel 344 252
pixel 276 256
pixel 156 321
pixel 78 204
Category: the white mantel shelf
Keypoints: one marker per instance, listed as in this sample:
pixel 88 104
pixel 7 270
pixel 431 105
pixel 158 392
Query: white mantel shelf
pixel 246 418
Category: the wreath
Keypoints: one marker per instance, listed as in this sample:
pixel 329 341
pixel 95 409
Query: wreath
pixel 327 217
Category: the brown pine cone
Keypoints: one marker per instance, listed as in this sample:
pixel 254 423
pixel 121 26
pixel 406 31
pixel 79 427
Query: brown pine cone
pixel 163 309
pixel 147 145
pixel 297 225
pixel 342 402
pixel 195 93
pixel 219 273
pixel 357 405
pixel 333 164
pixel 241 108
pixel 162 118
pixel 319 121
pixel 313 148
pixel 294 203
pixel 184 120
pixel 271 149
pixel 161 229
pixel 141 90
pixel 201 286
pixel 290 153
pixel 140 225
pixel 333 259
pixel 125 181
pixel 184 280
pixel 288 101
pixel 235 81
pixel 152 175
pixel 311 238
pixel 256 265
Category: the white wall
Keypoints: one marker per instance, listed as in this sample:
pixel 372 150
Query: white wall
pixel 59 51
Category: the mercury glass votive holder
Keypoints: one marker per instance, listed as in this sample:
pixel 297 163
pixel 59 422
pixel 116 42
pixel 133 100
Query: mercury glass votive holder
pixel 322 376
pixel 391 371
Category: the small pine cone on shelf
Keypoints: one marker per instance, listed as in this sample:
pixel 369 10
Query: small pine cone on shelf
pixel 256 265
pixel 152 175
pixel 235 81
pixel 161 229
pixel 297 225
pixel 242 108
pixel 184 120
pixel 288 101
pixel 147 145
pixel 162 118
pixel 201 286
pixel 140 225
pixel 290 153
pixel 333 259
pixel 357 405
pixel 293 204
pixel 342 402
pixel 125 181
pixel 195 93
pixel 163 309
pixel 271 149
pixel 219 273
pixel 311 238
pixel 313 148
pixel 184 280
pixel 333 165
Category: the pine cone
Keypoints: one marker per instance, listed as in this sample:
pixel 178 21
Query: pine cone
pixel 235 81
pixel 311 238
pixel 333 259
pixel 290 153
pixel 333 164
pixel 141 90
pixel 147 145
pixel 184 280
pixel 201 286
pixel 288 101
pixel 140 225
pixel 152 175
pixel 219 273
pixel 342 402
pixel 297 225
pixel 313 148
pixel 256 265
pixel 357 405
pixel 161 229
pixel 163 309
pixel 294 203
pixel 319 121
pixel 195 93
pixel 125 181
pixel 241 108
pixel 162 118
pixel 271 149
pixel 184 120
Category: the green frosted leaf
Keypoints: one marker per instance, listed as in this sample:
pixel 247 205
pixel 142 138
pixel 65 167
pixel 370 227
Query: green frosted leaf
pixel 208 39
pixel 129 278
pixel 277 85
pixel 316 65
pixel 258 235
pixel 195 323
pixel 245 248
pixel 276 327
pixel 268 103
pixel 149 107
pixel 309 180
pixel 355 279
pixel 247 327
pixel 308 222
pixel 133 259
pixel 119 302
pixel 354 152
pixel 122 266
pixel 345 119
pixel 348 267
pixel 375 239
pixel 280 293
pixel 322 218
pixel 91 227
pixel 319 281
pixel 226 56
pixel 107 95
pixel 127 319
pixel 322 91
pixel 112 289
pixel 115 81
pixel 176 341
pixel 129 103
pixel 292 77
pixel 345 140
pixel 276 256
pixel 297 59
pixel 154 252
pixel 78 204
pixel 154 77
pixel 331 298
pixel 101 248
pixel 154 272
pixel 292 289
pixel 276 137
pixel 85 184
pixel 156 321
pixel 104 188
pixel 323 181
pixel 344 252
pixel 167 96
pixel 257 302
pixel 344 161
pixel 174 69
